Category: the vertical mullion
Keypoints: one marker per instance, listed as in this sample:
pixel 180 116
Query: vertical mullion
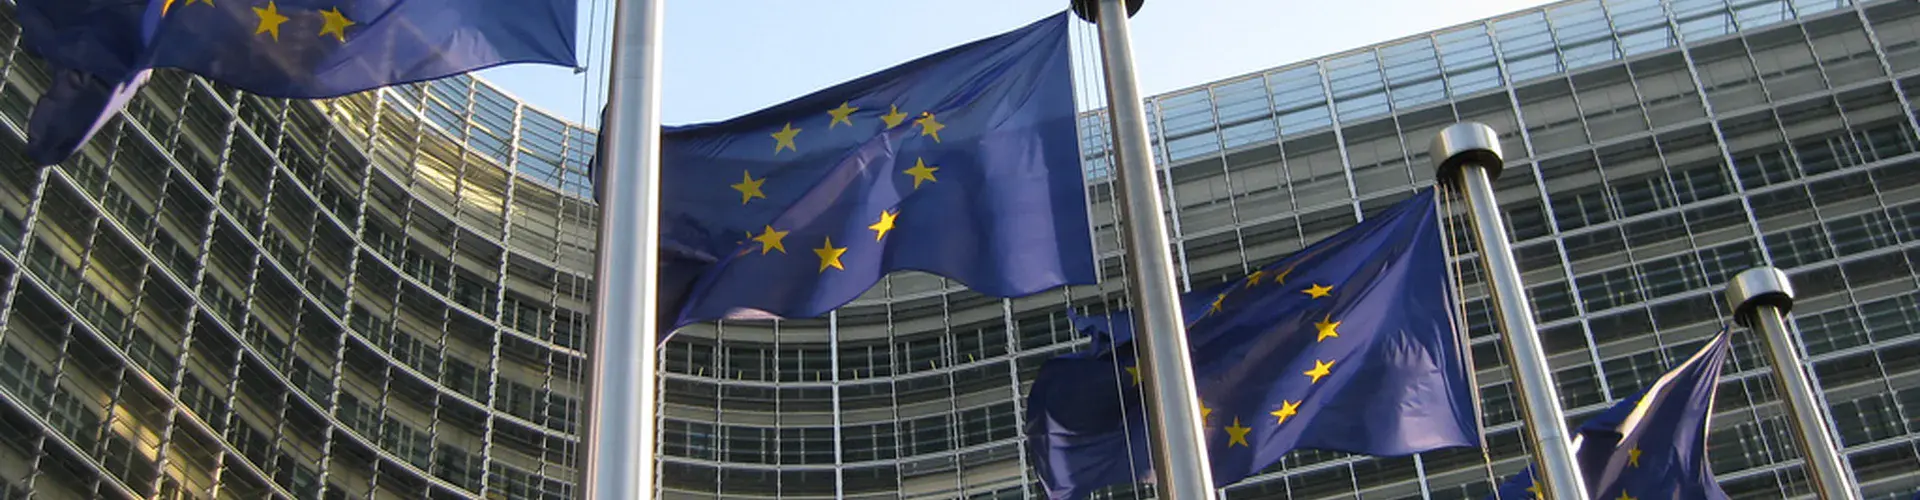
pixel 839 448
pixel 1162 166
pixel 1746 204
pixel 1546 201
pixel 1339 134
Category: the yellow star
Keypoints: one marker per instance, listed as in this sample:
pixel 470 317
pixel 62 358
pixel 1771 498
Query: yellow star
pixel 893 117
pixel 886 224
pixel 1538 494
pixel 332 21
pixel 1216 303
pixel 1135 371
pixel 929 126
pixel 270 20
pixel 1237 434
pixel 749 187
pixel 842 114
pixel 1204 413
pixel 1326 327
pixel 1254 279
pixel 1633 456
pixel 1625 496
pixel 921 172
pixel 1320 369
pixel 784 138
pixel 1318 291
pixel 771 240
pixel 830 256
pixel 1281 279
pixel 1287 409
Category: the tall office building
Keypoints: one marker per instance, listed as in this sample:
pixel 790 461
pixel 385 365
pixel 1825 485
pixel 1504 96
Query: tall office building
pixel 224 296
pixel 386 295
pixel 1655 149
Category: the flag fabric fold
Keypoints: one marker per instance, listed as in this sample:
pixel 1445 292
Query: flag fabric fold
pixel 92 50
pixel 101 50
pixel 308 49
pixel 1347 345
pixel 963 164
pixel 1652 444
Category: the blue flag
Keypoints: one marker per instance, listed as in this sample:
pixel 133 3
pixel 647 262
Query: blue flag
pixel 1112 329
pixel 1348 345
pixel 92 50
pixel 963 164
pixel 1652 444
pixel 276 48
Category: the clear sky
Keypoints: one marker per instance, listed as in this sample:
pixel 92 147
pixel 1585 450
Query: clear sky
pixel 725 58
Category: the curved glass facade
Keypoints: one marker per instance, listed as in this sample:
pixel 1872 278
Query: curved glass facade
pixel 223 296
pixel 386 295
pixel 1655 148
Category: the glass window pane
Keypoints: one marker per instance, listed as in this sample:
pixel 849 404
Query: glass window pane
pixel 1358 90
pixel 1300 100
pixel 1528 46
pixel 1413 71
pixel 1468 56
pixel 1245 116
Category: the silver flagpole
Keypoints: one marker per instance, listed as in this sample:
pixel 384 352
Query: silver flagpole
pixel 1760 297
pixel 1173 404
pixel 1467 155
pixel 619 437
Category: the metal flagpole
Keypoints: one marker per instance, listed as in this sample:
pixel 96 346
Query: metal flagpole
pixel 1760 297
pixel 1468 156
pixel 619 437
pixel 1173 405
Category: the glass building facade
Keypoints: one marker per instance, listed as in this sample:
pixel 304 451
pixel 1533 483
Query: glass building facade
pixel 386 295
pixel 224 296
pixel 1655 148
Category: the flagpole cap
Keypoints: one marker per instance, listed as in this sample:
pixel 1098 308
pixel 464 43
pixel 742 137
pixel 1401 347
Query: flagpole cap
pixel 1760 286
pixel 1466 143
pixel 1089 10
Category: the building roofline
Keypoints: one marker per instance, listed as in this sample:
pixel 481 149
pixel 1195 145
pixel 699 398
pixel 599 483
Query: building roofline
pixel 1356 50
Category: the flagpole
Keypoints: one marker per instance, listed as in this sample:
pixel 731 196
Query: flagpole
pixel 1760 298
pixel 618 441
pixel 1173 404
pixel 1467 155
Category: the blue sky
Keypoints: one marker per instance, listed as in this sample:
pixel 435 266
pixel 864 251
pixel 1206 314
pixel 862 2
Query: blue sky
pixel 725 58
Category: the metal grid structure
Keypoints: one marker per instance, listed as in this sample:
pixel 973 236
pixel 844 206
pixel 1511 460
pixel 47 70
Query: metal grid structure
pixel 384 295
pixel 224 296
pixel 1656 148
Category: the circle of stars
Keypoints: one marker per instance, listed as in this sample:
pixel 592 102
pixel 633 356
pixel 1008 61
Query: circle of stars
pixel 788 139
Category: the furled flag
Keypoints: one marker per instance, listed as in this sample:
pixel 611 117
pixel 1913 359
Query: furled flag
pixel 963 164
pixel 1348 345
pixel 101 50
pixel 1652 444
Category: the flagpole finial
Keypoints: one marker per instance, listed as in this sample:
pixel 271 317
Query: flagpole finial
pixel 1466 143
pixel 1760 286
pixel 1761 297
pixel 1089 10
pixel 1466 157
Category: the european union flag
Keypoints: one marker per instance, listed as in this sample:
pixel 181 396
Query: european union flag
pixel 275 48
pixel 1652 444
pixel 1348 345
pixel 1113 329
pixel 963 164
pixel 92 50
